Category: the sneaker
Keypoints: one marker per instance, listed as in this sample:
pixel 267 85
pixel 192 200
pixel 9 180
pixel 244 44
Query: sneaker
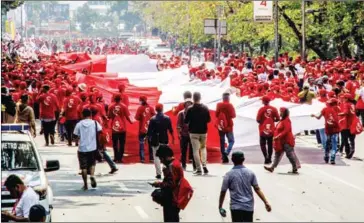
pixel 332 162
pixel 52 139
pixel 205 170
pixel 142 161
pixel 93 182
pixel 270 169
pixel 326 159
pixel 197 172
pixel 159 177
pixel 294 171
pixel 113 170
pixel 225 160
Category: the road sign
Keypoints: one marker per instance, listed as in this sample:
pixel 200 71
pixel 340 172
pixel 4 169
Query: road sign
pixel 263 11
pixel 211 27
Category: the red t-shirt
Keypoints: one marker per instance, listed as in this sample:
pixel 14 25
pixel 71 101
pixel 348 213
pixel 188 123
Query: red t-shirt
pixel 70 107
pixel 228 109
pixel 331 120
pixel 48 105
pixel 143 115
pixel 266 112
pixel 119 109
pixel 180 107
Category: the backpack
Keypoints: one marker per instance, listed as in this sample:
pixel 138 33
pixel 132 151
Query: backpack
pixel 268 127
pixel 356 127
pixel 221 122
pixel 185 193
pixel 117 124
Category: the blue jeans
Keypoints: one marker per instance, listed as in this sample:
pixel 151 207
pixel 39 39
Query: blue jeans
pixel 331 145
pixel 141 148
pixel 323 138
pixel 231 141
pixel 108 159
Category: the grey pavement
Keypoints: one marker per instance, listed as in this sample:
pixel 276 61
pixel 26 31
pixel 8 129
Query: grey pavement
pixel 321 192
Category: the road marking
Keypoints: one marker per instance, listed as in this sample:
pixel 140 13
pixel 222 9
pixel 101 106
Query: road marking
pixel 336 178
pixel 141 212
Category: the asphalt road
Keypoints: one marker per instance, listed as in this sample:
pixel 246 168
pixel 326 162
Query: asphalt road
pixel 321 192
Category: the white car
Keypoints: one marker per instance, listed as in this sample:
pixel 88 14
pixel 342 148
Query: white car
pixel 19 156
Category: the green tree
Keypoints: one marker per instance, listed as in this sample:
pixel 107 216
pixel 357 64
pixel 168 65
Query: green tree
pixel 8 5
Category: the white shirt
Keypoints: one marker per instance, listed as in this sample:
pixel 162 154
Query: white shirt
pixel 27 200
pixel 263 77
pixel 86 130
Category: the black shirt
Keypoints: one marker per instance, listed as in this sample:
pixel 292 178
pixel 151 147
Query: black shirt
pixel 197 117
pixel 158 128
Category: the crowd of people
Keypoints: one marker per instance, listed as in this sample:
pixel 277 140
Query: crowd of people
pixel 42 89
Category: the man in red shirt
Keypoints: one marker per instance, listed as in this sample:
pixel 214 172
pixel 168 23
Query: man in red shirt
pixel 225 113
pixel 144 113
pixel 346 117
pixel 330 113
pixel 266 117
pixel 118 114
pixel 69 110
pixel 48 104
pixel 124 97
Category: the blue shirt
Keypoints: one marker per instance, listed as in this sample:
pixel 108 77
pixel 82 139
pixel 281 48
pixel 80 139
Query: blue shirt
pixel 86 131
pixel 239 181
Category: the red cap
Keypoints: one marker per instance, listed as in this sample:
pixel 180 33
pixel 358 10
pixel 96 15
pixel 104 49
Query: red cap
pixel 322 92
pixel 143 98
pixel 121 87
pixel 23 85
pixel 159 107
pixel 265 99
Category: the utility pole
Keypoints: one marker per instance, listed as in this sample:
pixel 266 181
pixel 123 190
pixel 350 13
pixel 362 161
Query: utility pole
pixel 220 11
pixel 303 48
pixel 21 21
pixel 276 34
pixel 189 34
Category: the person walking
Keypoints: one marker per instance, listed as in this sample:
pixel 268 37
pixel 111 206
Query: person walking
pixel 197 118
pixel 25 114
pixel 102 148
pixel 284 142
pixel 225 113
pixel 346 117
pixel 144 113
pixel 330 113
pixel 240 181
pixel 87 131
pixel 184 136
pixel 48 104
pixel 173 174
pixel 266 117
pixel 360 103
pixel 159 127
pixel 118 114
pixel 25 197
pixel 69 111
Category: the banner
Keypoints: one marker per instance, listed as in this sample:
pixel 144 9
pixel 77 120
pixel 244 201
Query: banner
pixel 263 11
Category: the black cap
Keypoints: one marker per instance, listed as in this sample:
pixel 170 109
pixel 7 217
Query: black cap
pixel 238 155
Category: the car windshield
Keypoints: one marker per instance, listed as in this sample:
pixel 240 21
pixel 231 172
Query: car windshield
pixel 18 156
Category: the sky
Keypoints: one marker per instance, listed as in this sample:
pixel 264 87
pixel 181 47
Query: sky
pixel 74 4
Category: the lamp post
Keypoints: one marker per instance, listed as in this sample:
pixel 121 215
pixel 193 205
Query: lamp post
pixel 303 49
pixel 276 32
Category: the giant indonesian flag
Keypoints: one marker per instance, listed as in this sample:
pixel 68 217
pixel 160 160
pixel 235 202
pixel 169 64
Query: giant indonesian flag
pixel 141 77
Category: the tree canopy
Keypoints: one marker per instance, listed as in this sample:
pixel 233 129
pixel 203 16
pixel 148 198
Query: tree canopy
pixel 332 27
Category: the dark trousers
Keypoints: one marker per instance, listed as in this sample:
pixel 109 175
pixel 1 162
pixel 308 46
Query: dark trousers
pixel 241 216
pixel 70 127
pixel 48 128
pixel 318 138
pixel 361 115
pixel 185 144
pixel 347 141
pixel 170 213
pixel 266 141
pixel 118 144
